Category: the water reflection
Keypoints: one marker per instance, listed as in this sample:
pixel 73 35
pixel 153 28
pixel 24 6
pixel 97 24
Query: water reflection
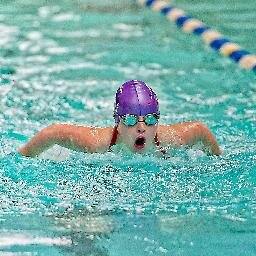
pixel 77 233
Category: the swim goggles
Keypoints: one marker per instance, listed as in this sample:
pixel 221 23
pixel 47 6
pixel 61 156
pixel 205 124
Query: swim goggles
pixel 131 120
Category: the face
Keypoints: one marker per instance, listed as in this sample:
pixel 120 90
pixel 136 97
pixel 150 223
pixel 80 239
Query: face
pixel 137 138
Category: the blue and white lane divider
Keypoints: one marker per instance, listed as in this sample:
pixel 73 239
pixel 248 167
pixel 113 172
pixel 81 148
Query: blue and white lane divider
pixel 210 36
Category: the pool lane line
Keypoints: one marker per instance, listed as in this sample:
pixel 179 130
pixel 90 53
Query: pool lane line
pixel 211 37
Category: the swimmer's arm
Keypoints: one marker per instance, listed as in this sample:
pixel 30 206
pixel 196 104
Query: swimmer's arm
pixel 189 133
pixel 79 138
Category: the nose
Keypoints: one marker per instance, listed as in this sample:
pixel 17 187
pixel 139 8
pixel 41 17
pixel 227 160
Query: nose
pixel 141 127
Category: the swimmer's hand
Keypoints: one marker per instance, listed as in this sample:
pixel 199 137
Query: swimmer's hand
pixel 79 138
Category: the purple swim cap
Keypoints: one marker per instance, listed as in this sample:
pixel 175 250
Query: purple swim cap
pixel 135 97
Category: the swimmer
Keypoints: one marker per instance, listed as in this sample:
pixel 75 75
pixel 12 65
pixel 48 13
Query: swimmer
pixel 136 115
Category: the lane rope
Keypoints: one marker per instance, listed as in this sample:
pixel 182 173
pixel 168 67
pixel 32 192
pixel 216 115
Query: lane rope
pixel 211 37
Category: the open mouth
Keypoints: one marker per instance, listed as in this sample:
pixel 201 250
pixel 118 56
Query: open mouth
pixel 140 143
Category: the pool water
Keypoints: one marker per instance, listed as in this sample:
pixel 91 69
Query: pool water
pixel 62 63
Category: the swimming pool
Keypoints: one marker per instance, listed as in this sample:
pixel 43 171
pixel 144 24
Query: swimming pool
pixel 63 63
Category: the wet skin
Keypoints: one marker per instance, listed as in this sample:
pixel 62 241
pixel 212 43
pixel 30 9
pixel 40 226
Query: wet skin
pixel 97 139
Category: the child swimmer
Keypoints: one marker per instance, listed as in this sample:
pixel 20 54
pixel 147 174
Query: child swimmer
pixel 136 115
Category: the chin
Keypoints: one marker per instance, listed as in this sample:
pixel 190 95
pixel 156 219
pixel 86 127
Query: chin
pixel 141 150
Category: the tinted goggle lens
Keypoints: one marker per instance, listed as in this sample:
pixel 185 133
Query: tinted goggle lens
pixel 131 120
pixel 150 119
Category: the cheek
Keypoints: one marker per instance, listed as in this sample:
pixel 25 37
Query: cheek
pixel 126 133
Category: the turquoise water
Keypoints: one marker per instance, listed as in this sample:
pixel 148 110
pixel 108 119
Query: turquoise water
pixel 63 63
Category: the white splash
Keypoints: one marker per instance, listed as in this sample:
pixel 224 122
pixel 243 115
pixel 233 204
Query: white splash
pixel 65 17
pixel 26 239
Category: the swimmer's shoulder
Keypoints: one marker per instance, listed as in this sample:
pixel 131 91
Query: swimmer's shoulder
pixel 85 138
pixel 180 133
pixel 169 134
pixel 98 138
pixel 104 133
